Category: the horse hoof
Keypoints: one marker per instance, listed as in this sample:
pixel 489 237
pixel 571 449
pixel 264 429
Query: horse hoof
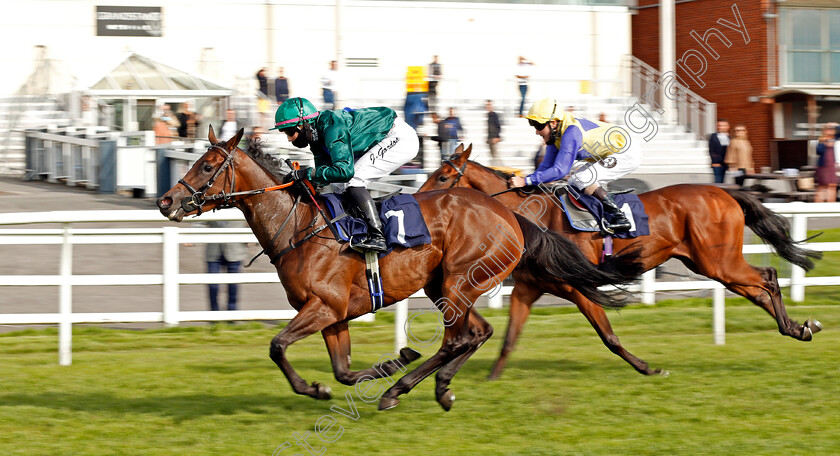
pixel 814 325
pixel 664 373
pixel 387 403
pixel 409 354
pixel 446 400
pixel 322 392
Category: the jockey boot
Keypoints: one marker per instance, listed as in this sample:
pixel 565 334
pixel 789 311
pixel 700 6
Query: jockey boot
pixel 375 239
pixel 620 222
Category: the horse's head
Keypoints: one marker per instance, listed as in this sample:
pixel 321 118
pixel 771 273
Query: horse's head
pixel 451 171
pixel 203 185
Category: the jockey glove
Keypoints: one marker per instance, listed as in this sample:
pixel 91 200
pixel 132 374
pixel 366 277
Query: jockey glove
pixel 305 172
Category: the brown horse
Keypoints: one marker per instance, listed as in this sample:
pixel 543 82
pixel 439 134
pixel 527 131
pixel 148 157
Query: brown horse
pixel 701 225
pixel 476 243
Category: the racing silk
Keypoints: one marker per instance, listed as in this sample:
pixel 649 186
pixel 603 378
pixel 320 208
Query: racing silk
pixel 346 135
pixel 577 139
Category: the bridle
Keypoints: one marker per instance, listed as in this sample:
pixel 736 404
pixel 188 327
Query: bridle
pixel 198 198
pixel 459 171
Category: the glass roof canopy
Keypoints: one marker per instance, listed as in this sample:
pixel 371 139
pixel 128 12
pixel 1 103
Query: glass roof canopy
pixel 139 76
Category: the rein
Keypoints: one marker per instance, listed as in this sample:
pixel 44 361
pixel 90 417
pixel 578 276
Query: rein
pixel 198 198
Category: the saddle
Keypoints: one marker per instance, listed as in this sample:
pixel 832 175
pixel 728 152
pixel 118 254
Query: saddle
pixel 581 210
pixel 403 226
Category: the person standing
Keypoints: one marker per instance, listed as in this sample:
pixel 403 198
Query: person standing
pixel 718 143
pixel 351 147
pixel 263 101
pixel 229 126
pixel 262 83
pixel 281 87
pixel 494 131
pixel 739 155
pixel 187 121
pixel 523 73
pixel 826 174
pixel 451 132
pixel 228 255
pixel 435 75
pixel 328 85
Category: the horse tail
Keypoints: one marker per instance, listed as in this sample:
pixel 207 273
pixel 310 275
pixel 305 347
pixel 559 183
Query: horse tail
pixel 550 257
pixel 773 229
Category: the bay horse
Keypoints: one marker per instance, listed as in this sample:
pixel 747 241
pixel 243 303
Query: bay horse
pixel 701 225
pixel 476 243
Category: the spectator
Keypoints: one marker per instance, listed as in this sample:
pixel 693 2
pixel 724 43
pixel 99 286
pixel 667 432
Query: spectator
pixel 163 135
pixel 170 118
pixel 263 101
pixel 187 121
pixel 414 109
pixel 523 73
pixel 229 126
pixel 328 85
pixel 602 117
pixel 440 136
pixel 494 131
pixel 739 155
pixel 435 75
pixel 718 143
pixel 262 80
pixel 826 175
pixel 281 87
pixel 452 132
pixel 228 255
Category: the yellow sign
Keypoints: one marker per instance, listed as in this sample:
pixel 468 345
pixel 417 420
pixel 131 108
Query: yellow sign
pixel 584 87
pixel 415 79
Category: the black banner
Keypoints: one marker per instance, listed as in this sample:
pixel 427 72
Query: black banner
pixel 129 21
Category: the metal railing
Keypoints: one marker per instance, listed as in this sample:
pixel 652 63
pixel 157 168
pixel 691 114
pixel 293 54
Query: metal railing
pixel 170 278
pixel 696 114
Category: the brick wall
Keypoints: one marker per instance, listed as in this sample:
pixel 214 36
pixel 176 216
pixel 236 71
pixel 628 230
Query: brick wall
pixel 739 72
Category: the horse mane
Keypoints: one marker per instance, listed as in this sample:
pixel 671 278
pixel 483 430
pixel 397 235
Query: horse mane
pixel 497 172
pixel 267 161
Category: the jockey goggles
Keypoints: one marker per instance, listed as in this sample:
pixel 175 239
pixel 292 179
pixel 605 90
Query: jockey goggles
pixel 539 126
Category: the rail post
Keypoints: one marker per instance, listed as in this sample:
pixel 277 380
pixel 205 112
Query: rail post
pixel 171 253
pixel 798 231
pixel 65 301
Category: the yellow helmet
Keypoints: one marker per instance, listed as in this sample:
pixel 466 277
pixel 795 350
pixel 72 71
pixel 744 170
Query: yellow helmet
pixel 544 110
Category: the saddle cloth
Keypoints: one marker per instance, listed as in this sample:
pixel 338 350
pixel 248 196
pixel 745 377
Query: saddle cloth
pixel 587 215
pixel 403 223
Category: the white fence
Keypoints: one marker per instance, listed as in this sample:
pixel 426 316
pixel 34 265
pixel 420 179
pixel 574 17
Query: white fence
pixel 170 278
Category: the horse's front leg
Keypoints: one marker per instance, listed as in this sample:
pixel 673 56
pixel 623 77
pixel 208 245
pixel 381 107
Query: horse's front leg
pixel 337 338
pixel 314 316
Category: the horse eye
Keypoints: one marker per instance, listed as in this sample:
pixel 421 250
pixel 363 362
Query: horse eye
pixel 208 168
pixel 443 178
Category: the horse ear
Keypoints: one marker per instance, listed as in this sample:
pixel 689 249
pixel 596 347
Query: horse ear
pixel 232 142
pixel 466 155
pixel 458 150
pixel 211 136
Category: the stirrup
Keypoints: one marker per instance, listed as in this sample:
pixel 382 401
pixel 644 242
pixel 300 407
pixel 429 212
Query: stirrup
pixel 374 243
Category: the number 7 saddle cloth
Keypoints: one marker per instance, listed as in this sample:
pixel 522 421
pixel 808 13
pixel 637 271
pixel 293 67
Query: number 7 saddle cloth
pixel 402 222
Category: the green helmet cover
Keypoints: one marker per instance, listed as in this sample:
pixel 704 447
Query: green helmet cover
pixel 293 112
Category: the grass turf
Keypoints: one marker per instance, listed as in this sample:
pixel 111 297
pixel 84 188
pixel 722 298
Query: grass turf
pixel 213 390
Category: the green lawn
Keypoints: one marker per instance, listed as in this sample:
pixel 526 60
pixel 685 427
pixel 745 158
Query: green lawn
pixel 213 390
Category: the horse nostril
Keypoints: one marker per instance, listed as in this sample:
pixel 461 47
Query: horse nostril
pixel 164 202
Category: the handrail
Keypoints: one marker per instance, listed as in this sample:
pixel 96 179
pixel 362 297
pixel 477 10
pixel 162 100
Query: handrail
pixel 693 112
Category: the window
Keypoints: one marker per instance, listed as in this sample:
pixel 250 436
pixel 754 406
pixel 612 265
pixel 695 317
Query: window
pixel 810 42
